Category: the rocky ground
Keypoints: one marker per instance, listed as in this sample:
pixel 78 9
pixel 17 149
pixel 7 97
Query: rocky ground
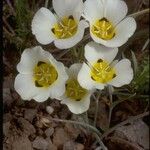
pixel 28 125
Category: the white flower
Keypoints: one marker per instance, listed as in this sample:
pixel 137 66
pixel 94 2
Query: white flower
pixel 109 25
pixel 40 75
pixel 64 28
pixel 100 69
pixel 76 98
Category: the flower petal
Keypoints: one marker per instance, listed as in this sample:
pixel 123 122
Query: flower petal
pixel 115 10
pixel 70 42
pixel 30 58
pixel 42 24
pixel 124 73
pixel 94 51
pixel 77 107
pixel 84 79
pixel 25 87
pixel 93 10
pixel 124 30
pixel 65 8
pixel 74 70
pixel 58 88
pixel 42 96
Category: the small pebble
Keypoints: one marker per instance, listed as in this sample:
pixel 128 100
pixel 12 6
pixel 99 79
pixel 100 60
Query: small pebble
pixel 49 132
pixel 40 143
pixel 49 109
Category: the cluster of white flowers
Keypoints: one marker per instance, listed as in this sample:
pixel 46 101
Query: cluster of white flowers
pixel 41 76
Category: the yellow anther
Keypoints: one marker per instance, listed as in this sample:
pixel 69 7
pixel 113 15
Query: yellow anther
pixel 44 74
pixel 103 29
pixel 65 28
pixel 102 72
pixel 74 90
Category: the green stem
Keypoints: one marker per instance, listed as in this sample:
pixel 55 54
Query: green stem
pixel 100 142
pixel 111 102
pixel 96 109
pixel 139 13
pixel 46 3
pixel 87 119
pixel 79 123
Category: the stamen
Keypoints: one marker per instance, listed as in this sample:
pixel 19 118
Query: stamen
pixel 44 74
pixel 65 28
pixel 103 29
pixel 74 90
pixel 102 71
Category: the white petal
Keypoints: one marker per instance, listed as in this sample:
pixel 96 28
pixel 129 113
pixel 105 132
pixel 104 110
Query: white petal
pixel 124 73
pixel 96 39
pixel 94 51
pixel 68 7
pixel 42 24
pixel 74 70
pixel 77 107
pixel 115 10
pixel 93 10
pixel 25 87
pixel 30 58
pixel 42 96
pixel 124 30
pixel 84 79
pixel 58 88
pixel 70 42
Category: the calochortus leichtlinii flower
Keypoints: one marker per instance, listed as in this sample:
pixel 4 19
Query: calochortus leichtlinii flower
pixel 76 97
pixel 101 69
pixel 40 75
pixel 64 28
pixel 109 25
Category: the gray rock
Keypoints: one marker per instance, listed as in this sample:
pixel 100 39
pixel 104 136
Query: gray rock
pixel 22 143
pixel 7 117
pixel 137 132
pixel 29 114
pixel 40 143
pixel 6 127
pixel 71 145
pixel 27 127
pixel 60 137
pixel 51 146
pixel 49 132
pixel 7 98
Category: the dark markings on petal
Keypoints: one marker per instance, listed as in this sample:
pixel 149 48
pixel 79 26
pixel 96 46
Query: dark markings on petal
pixel 78 99
pixel 40 63
pixel 104 19
pixel 37 84
pixel 53 30
pixel 99 61
pixel 93 78
pixel 114 75
pixel 71 17
pixel 113 35
pixel 66 85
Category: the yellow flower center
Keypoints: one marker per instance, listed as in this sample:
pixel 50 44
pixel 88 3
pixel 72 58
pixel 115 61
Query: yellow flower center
pixel 74 90
pixel 102 72
pixel 45 74
pixel 66 28
pixel 103 29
